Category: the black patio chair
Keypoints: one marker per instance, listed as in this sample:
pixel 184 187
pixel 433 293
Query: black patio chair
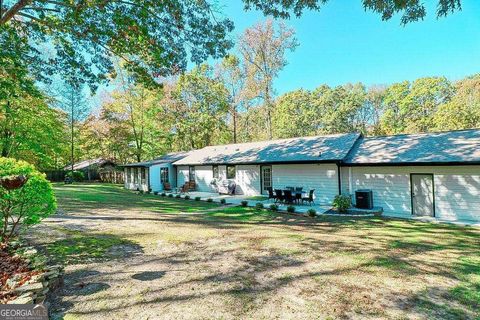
pixel 309 198
pixel 271 195
pixel 278 195
pixel 298 197
pixel 290 188
pixel 287 196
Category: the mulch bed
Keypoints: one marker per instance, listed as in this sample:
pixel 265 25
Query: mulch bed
pixel 10 266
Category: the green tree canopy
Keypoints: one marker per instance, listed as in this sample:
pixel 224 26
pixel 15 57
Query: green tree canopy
pixel 411 10
pixel 154 38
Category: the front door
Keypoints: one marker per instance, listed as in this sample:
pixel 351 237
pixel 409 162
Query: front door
pixel 266 172
pixel 423 195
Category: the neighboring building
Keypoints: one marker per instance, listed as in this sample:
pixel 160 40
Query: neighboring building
pixel 153 174
pixel 91 167
pixel 430 174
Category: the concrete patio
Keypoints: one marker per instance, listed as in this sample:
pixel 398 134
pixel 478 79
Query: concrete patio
pixel 237 199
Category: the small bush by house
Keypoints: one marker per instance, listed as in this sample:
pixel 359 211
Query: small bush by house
pixel 291 209
pixel 342 203
pixel 259 206
pixel 244 203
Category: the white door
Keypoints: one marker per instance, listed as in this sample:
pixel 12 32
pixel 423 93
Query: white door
pixel 422 195
pixel 266 172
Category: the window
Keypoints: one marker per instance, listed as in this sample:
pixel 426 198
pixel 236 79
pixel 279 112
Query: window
pixel 191 174
pixel 164 175
pixel 143 171
pixel 231 172
pixel 127 175
pixel 135 175
pixel 215 172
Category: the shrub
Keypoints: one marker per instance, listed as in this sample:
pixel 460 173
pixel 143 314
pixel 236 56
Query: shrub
pixel 209 200
pixel 163 194
pixel 259 206
pixel 76 175
pixel 244 203
pixel 155 192
pixel 170 195
pixel 187 197
pixel 197 198
pixel 312 212
pixel 140 191
pixel 273 207
pixel 223 201
pixel 27 205
pixel 177 196
pixel 147 192
pixel 291 209
pixel 342 202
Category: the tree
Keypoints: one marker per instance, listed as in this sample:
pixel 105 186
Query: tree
pixel 410 10
pixel 410 108
pixel 199 104
pixel 232 74
pixel 153 38
pixel 72 101
pixel 263 47
pixel 463 110
pixel 295 115
pixel 24 206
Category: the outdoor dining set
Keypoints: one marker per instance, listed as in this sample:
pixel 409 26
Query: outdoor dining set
pixel 291 195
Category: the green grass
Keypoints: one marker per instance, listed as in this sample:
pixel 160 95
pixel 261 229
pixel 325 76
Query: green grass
pixel 245 214
pixel 94 196
pixel 257 198
pixel 79 247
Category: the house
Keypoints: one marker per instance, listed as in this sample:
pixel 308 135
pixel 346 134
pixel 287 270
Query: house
pixel 310 162
pixel 429 174
pixel 154 174
pixel 91 167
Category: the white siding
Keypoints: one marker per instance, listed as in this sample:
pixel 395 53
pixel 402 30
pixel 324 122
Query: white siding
pixel 248 180
pixel 203 178
pixel 321 177
pixel 457 189
pixel 182 175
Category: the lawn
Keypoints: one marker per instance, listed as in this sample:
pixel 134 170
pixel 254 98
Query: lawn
pixel 132 256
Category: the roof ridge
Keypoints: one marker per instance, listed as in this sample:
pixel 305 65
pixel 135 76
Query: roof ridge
pixel 421 133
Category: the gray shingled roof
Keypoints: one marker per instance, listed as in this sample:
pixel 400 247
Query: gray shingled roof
pixel 442 147
pixel 168 158
pixel 87 163
pixel 308 149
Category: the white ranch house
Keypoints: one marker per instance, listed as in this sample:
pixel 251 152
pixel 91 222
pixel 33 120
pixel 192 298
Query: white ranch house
pixel 430 174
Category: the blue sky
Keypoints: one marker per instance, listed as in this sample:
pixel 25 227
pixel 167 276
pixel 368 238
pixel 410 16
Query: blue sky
pixel 342 43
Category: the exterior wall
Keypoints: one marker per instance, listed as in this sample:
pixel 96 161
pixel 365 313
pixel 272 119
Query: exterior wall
pixel 182 175
pixel 130 179
pixel 457 189
pixel 247 179
pixel 203 178
pixel 321 177
pixel 155 182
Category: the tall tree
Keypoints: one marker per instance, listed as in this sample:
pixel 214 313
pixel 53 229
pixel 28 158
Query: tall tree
pixel 72 101
pixel 231 72
pixel 199 104
pixel 263 47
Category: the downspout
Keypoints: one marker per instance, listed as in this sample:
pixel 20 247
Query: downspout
pixel 339 174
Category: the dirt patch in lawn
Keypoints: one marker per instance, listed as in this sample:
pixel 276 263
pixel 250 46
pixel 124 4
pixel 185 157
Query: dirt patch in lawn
pixel 241 263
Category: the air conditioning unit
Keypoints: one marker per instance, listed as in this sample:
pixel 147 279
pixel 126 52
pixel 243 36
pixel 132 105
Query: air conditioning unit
pixel 364 199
